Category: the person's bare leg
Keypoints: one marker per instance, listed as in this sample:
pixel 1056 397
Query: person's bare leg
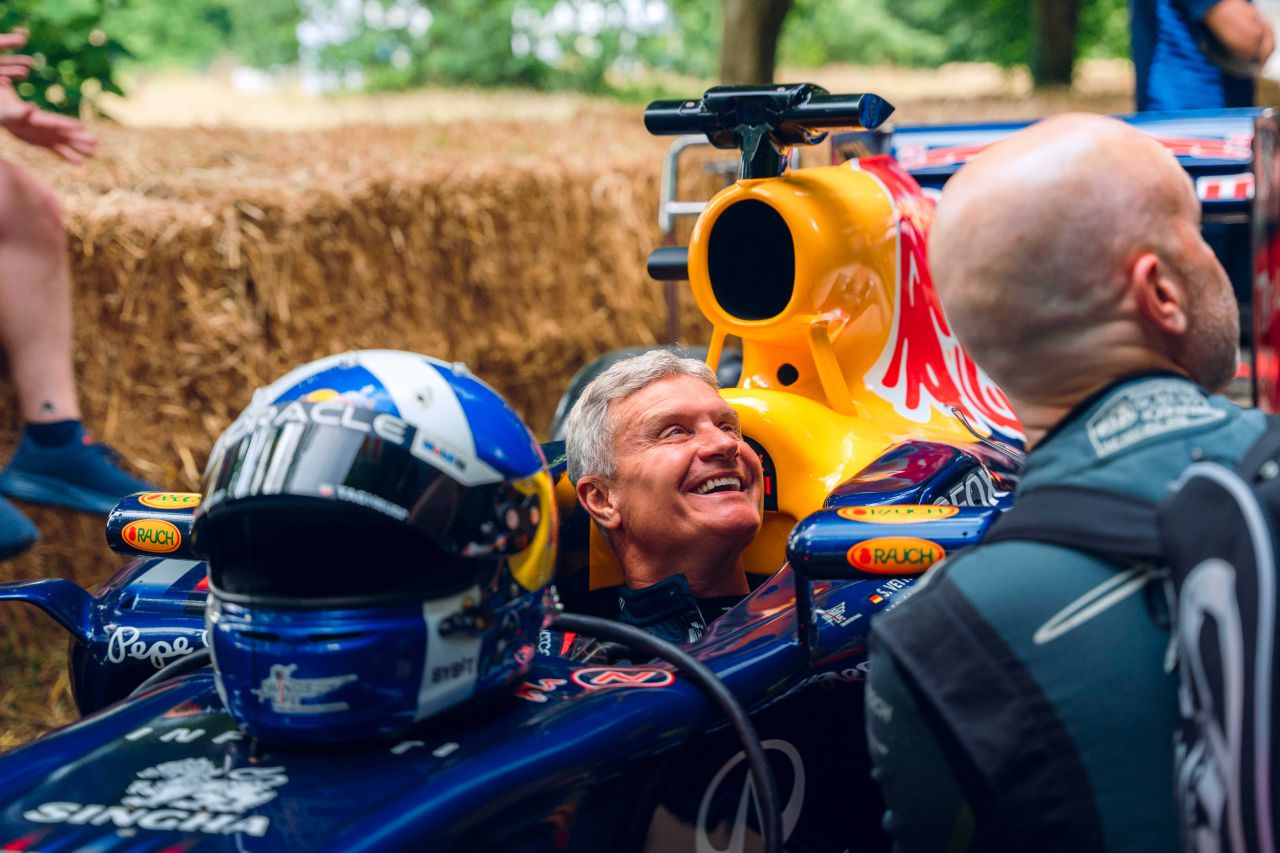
pixel 56 462
pixel 35 298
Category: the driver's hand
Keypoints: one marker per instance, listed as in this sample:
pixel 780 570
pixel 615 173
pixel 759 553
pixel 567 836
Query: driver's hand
pixel 1242 29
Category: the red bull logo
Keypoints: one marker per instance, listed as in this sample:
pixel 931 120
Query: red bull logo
pixel 170 500
pixel 922 368
pixel 895 555
pixel 899 514
pixel 152 535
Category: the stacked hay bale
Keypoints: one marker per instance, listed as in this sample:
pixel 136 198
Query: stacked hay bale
pixel 207 263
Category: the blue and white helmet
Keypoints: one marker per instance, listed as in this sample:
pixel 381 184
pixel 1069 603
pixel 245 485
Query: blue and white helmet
pixel 380 531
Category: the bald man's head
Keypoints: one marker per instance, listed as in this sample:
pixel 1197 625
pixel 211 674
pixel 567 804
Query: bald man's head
pixel 1069 254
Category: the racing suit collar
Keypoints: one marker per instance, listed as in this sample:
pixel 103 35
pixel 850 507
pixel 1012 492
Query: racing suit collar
pixel 1088 402
pixel 668 609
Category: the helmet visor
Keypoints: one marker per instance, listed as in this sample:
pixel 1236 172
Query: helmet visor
pixel 299 552
pixel 379 467
pixel 341 494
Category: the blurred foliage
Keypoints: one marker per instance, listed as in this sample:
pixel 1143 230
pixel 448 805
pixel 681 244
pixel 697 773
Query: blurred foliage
pixel 587 45
pixel 542 44
pixel 1001 31
pixel 694 44
pixel 74 53
pixel 193 33
pixel 393 44
pixel 862 32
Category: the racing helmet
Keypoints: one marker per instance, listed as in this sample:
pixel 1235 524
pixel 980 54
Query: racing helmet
pixel 380 532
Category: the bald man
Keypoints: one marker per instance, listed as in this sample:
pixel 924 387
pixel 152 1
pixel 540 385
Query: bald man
pixel 1020 700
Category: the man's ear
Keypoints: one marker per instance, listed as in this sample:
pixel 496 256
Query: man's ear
pixel 596 497
pixel 1161 298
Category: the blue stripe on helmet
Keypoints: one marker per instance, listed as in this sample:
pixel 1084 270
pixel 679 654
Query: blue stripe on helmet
pixel 352 382
pixel 493 423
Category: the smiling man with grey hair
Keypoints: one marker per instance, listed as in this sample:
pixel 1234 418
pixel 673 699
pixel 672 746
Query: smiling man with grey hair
pixel 660 465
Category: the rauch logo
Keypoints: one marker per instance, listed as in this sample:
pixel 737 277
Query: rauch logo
pixel 898 514
pixel 152 535
pixel 894 555
pixel 170 500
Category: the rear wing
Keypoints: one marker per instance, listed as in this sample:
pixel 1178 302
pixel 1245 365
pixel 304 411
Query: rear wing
pixel 1229 154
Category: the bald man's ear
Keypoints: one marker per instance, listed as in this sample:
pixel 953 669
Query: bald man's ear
pixel 597 498
pixel 1160 298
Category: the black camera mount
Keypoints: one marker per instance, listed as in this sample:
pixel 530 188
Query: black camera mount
pixel 764 122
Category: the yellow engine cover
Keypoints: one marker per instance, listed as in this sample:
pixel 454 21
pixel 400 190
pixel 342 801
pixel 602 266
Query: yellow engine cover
pixel 860 356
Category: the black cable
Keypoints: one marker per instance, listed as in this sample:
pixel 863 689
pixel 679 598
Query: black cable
pixel 713 687
pixel 173 669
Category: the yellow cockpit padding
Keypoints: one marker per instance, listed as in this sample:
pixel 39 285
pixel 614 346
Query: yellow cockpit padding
pixel 605 569
pixel 566 494
pixel 534 566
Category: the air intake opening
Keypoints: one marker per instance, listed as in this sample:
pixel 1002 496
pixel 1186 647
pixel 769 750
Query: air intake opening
pixel 751 261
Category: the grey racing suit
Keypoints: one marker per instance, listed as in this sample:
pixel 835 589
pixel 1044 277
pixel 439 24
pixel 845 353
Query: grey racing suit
pixel 1022 698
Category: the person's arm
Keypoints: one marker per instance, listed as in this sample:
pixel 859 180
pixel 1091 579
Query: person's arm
pixel 926 808
pixel 1239 25
pixel 62 135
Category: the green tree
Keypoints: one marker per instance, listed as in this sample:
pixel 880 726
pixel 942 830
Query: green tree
pixel 751 28
pixel 1047 35
pixel 1053 52
pixel 861 32
pixel 74 54
pixel 192 33
pixel 394 46
pixel 1005 31
pixel 264 33
pixel 692 45
pixel 588 45
pixel 535 43
pixel 187 33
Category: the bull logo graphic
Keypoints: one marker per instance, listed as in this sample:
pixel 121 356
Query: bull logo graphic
pixel 286 694
pixel 197 784
pixel 922 368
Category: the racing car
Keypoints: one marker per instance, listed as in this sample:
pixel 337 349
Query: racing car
pixel 884 447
